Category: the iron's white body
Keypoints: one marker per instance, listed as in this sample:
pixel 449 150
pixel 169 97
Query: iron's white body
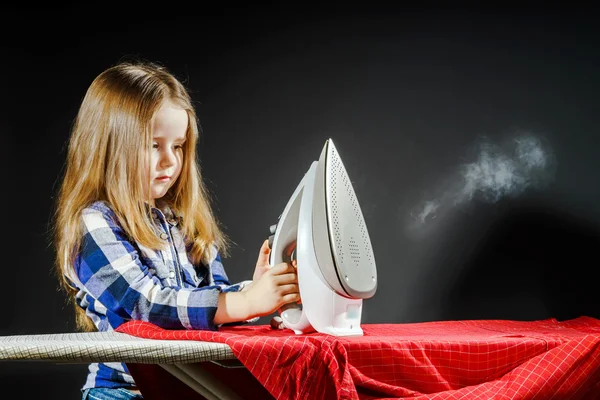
pixel 331 242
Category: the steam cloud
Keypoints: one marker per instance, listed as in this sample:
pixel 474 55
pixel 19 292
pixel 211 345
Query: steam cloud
pixel 497 172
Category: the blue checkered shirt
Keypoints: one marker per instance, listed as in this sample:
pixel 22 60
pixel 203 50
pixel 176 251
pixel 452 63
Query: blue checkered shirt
pixel 119 280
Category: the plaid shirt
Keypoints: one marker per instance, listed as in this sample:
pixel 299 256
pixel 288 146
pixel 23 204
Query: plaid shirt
pixel 119 280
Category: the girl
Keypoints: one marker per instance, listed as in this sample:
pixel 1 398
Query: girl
pixel 134 232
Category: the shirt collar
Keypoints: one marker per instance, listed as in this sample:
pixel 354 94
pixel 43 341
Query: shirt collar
pixel 171 216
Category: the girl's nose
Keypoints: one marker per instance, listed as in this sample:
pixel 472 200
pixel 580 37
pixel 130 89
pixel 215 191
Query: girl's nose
pixel 168 158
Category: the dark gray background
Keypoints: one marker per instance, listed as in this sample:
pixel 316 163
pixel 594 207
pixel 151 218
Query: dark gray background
pixel 412 98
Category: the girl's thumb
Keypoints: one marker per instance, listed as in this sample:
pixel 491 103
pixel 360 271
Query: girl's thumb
pixel 265 251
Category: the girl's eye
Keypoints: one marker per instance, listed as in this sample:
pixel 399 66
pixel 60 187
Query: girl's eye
pixel 177 146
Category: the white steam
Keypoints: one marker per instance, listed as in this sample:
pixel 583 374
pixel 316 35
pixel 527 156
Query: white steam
pixel 495 173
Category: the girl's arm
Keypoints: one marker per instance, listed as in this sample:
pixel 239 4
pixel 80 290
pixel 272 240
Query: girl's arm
pixel 232 307
pixel 276 287
pixel 119 285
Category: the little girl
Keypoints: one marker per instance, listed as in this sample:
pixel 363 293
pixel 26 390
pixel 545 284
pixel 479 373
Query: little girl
pixel 135 235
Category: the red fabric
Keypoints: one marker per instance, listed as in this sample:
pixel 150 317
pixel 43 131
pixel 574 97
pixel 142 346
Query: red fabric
pixel 486 359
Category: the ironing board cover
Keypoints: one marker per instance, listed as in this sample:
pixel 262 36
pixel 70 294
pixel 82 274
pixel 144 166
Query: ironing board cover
pixel 472 359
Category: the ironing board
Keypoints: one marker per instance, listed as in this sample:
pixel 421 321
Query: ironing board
pixel 489 359
pixel 186 360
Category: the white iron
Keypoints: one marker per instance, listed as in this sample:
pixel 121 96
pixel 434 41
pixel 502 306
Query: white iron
pixel 323 229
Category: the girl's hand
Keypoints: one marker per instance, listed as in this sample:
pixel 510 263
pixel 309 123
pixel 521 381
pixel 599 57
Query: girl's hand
pixel 262 264
pixel 276 287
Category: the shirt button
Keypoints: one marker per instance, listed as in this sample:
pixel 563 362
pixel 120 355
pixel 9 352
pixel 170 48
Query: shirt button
pixel 172 274
pixel 164 236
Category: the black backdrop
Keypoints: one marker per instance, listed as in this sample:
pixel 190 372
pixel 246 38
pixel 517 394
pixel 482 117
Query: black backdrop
pixel 470 137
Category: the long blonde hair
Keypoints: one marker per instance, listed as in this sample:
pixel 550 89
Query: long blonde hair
pixel 104 162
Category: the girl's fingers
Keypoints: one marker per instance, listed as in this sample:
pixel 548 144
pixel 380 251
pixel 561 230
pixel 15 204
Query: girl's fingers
pixel 289 289
pixel 291 298
pixel 286 279
pixel 282 268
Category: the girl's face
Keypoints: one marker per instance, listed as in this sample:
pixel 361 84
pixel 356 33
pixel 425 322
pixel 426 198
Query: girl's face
pixel 169 129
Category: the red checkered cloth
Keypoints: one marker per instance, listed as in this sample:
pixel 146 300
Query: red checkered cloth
pixel 473 359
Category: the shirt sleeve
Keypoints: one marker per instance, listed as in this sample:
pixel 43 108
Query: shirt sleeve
pixel 219 275
pixel 110 269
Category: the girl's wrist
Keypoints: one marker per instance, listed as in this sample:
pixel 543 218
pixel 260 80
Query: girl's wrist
pixel 246 286
pixel 233 307
pixel 246 299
